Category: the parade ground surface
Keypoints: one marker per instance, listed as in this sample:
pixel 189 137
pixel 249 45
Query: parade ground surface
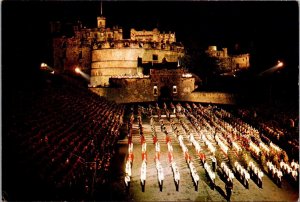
pixel 117 191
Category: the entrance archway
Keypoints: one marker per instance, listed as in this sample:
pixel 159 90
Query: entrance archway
pixel 165 94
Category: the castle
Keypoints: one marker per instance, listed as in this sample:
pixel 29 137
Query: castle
pixel 228 63
pixel 116 65
pixel 102 52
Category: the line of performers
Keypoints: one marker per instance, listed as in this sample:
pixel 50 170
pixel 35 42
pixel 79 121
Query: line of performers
pixel 128 166
pixel 275 173
pixel 209 172
pixel 291 170
pixel 187 156
pixel 228 174
pixel 174 167
pixel 242 174
pixel 129 161
pixel 255 173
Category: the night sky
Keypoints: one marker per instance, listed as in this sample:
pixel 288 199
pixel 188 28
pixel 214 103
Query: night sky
pixel 268 30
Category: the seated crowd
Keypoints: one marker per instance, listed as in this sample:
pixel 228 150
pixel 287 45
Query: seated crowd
pixel 68 134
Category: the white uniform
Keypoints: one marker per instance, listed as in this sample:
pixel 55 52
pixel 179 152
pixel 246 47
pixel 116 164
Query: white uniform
pixel 128 168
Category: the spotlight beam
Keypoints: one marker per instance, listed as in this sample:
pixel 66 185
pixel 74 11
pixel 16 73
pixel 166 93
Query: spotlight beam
pixel 84 75
pixel 44 66
pixel 272 69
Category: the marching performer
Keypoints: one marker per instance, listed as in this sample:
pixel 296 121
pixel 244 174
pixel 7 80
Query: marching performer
pixel 143 175
pixel 127 182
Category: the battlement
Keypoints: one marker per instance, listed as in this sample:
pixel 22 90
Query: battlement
pixel 104 52
pixel 152 36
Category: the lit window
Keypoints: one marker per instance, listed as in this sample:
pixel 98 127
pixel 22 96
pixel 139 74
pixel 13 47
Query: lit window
pixel 174 89
pixel 155 90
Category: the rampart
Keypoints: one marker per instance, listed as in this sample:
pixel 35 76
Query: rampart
pixel 144 94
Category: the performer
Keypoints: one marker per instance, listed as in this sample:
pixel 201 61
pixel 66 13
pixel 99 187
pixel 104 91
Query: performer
pixel 143 175
pixel 279 175
pixel 160 177
pixel 260 175
pixel 128 168
pixel 228 187
pixel 154 139
pixel 157 147
pixel 214 163
pixel 247 177
pixel 202 157
pixel 127 182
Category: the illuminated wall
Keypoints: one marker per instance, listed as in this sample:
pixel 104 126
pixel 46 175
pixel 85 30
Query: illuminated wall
pixel 170 84
pixel 154 36
pixel 120 61
pixel 102 52
pixel 229 62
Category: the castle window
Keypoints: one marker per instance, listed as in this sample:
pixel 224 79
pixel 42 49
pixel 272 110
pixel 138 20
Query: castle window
pixel 154 57
pixel 174 89
pixel 140 62
pixel 80 55
pixel 155 90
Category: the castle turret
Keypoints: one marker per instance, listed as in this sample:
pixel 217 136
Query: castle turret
pixel 225 52
pixel 101 22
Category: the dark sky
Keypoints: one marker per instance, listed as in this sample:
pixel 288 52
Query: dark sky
pixel 268 30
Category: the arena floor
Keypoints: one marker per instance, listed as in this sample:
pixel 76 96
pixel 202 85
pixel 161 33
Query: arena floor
pixel 187 192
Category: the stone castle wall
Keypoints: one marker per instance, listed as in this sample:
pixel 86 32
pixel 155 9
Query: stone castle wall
pixel 153 35
pixel 229 62
pixel 124 61
pixel 102 52
pixel 138 90
pixel 155 87
pixel 209 97
pixel 139 95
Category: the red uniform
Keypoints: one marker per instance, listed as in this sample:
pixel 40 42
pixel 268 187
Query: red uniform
pixel 187 156
pixel 130 157
pixel 142 139
pixel 144 156
pixel 202 156
pixel 129 139
pixel 168 139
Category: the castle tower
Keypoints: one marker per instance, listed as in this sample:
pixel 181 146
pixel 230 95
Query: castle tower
pixel 101 21
pixel 225 52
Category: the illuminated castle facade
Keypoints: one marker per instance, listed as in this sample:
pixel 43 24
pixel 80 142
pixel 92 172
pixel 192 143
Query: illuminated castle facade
pixel 103 53
pixel 229 63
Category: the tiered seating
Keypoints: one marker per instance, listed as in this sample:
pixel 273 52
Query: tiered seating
pixel 69 134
